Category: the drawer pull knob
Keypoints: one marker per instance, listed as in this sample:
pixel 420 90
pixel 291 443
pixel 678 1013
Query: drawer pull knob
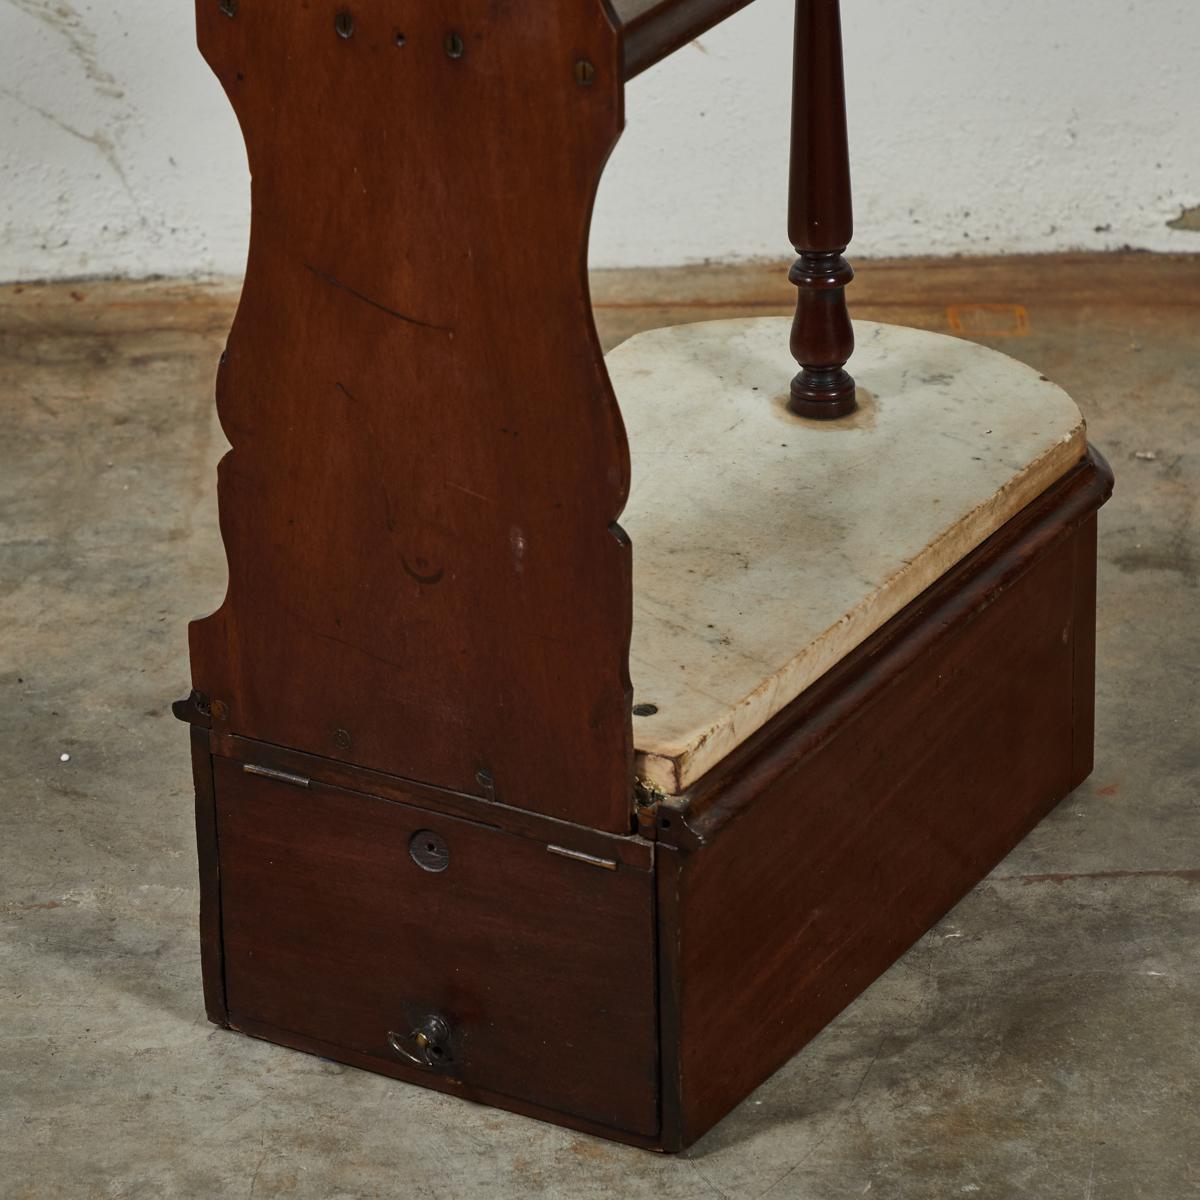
pixel 428 1045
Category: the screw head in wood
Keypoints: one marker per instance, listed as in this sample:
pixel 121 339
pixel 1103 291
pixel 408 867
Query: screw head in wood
pixel 228 7
pixel 341 739
pixel 453 45
pixel 429 851
pixel 585 73
pixel 344 24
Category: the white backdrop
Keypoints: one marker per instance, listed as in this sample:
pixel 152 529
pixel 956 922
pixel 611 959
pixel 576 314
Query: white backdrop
pixel 978 126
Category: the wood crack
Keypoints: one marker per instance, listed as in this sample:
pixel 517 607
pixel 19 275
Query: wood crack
pixel 333 281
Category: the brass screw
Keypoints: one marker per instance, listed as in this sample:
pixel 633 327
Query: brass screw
pixel 585 73
pixel 344 24
pixel 228 7
pixel 453 45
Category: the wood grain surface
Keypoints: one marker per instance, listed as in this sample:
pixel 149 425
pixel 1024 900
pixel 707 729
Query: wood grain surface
pixel 812 864
pixel 542 966
pixel 425 574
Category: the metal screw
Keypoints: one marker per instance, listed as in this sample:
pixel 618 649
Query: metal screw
pixel 400 39
pixel 228 7
pixel 645 710
pixel 344 24
pixel 429 851
pixel 584 72
pixel 341 739
pixel 453 45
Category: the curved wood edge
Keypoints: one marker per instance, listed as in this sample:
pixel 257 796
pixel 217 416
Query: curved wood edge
pixel 698 815
pixel 383 335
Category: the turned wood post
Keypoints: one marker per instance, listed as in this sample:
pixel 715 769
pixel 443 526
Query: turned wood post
pixel 820 216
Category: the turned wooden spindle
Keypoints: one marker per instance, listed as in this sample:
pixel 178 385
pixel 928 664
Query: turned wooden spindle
pixel 820 216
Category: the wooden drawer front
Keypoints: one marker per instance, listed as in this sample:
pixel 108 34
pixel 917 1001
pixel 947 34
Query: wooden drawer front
pixel 541 966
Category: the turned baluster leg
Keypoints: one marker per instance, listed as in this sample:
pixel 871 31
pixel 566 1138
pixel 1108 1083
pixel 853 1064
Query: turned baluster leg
pixel 820 216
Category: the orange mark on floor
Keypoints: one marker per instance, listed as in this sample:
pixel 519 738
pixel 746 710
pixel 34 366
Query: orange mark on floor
pixel 989 320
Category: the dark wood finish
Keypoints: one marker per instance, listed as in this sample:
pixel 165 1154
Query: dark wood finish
pixel 783 884
pixel 330 1050
pixel 633 851
pixel 411 731
pixel 212 952
pixel 668 867
pixel 406 457
pixel 800 880
pixel 1085 652
pixel 542 966
pixel 820 216
pixel 652 29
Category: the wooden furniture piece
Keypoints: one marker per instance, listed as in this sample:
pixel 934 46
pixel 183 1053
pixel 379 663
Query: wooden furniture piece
pixel 440 835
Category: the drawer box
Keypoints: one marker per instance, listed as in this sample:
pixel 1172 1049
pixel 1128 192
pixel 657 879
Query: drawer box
pixel 337 930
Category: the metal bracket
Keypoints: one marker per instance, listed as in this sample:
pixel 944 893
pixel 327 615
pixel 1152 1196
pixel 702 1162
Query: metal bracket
pixel 195 709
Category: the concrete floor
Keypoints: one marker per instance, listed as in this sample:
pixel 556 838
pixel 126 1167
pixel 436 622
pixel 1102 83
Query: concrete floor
pixel 1043 1041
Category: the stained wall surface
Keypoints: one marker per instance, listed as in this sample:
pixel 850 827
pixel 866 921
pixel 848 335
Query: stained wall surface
pixel 978 127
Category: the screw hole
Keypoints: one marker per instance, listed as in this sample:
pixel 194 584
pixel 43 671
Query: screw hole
pixel 665 822
pixel 645 710
pixel 400 39
pixel 429 851
pixel 453 45
pixel 585 73
pixel 228 7
pixel 344 24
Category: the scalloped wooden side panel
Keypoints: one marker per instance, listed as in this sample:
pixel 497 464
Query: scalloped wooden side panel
pixel 427 464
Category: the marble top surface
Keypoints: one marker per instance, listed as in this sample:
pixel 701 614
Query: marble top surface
pixel 767 547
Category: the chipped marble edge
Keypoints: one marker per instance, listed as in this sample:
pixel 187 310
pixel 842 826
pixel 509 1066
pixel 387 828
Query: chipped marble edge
pixel 672 768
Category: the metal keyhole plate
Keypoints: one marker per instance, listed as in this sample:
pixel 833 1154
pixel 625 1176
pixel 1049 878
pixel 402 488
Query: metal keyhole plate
pixel 428 1045
pixel 429 850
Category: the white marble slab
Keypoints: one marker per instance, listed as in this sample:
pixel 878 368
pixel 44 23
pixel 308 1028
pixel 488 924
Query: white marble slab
pixel 767 547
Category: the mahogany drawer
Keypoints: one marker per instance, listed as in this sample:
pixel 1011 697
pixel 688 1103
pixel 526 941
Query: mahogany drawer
pixel 541 967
